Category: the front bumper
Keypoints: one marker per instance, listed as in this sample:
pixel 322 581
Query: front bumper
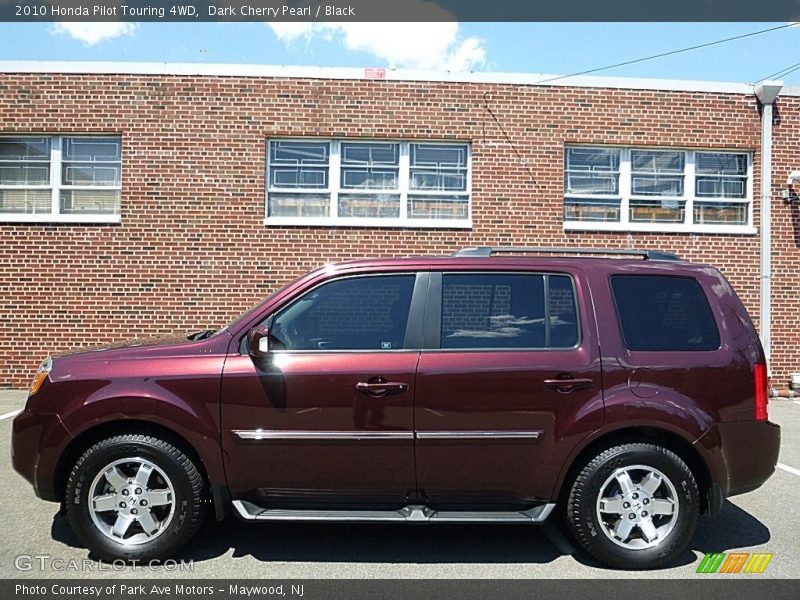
pixel 37 440
pixel 741 455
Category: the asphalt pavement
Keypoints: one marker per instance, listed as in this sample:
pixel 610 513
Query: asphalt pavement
pixel 37 542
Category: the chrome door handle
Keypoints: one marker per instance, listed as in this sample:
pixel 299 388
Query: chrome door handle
pixel 565 386
pixel 380 388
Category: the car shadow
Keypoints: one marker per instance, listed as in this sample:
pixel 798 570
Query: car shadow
pixel 342 543
pixel 333 542
pixel 60 531
pixel 373 543
pixel 732 529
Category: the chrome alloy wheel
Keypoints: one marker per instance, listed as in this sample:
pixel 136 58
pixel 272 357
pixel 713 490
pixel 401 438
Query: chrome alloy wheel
pixel 131 501
pixel 637 507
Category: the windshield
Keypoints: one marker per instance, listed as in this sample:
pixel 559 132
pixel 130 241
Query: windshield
pixel 248 314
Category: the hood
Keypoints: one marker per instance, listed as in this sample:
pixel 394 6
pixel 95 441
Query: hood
pixel 162 340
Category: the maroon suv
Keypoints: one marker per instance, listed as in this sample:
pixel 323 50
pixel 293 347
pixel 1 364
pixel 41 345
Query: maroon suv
pixel 627 392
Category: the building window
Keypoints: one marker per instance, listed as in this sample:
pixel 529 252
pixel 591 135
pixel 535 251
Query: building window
pixel 370 180
pixel 664 189
pixel 52 179
pixel 368 183
pixel 721 188
pixel 592 184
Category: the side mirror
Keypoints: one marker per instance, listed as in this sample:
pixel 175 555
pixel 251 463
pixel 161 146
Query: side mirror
pixel 258 341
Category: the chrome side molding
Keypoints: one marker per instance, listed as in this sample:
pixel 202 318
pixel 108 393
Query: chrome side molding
pixel 274 434
pixel 478 435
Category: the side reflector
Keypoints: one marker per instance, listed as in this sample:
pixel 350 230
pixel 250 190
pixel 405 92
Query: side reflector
pixel 761 390
pixel 41 375
pixel 37 382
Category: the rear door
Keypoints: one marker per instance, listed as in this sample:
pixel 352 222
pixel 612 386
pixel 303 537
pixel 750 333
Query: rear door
pixel 508 383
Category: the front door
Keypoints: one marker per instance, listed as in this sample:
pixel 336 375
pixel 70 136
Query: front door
pixel 327 418
pixel 508 382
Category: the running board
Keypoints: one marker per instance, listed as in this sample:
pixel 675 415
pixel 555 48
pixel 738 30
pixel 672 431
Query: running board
pixel 408 514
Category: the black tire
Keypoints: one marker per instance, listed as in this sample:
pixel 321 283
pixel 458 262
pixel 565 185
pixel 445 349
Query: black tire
pixel 189 497
pixel 585 526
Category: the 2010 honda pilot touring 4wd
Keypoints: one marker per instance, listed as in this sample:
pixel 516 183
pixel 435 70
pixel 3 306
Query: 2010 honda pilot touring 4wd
pixel 628 393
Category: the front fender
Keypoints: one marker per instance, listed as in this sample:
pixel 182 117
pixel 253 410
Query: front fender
pixel 178 394
pixel 198 427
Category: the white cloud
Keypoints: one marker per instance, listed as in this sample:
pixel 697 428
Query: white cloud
pixel 410 45
pixel 92 34
pixel 290 31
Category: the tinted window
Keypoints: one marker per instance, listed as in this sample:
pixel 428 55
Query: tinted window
pixel 363 313
pixel 563 312
pixel 494 310
pixel 664 313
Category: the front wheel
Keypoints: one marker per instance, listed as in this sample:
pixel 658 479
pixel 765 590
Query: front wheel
pixel 134 497
pixel 634 506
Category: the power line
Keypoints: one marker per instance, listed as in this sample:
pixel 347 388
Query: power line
pixel 783 72
pixel 670 53
pixel 487 98
pixel 790 72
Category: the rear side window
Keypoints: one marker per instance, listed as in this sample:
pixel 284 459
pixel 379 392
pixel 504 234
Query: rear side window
pixel 663 313
pixel 506 311
pixel 358 313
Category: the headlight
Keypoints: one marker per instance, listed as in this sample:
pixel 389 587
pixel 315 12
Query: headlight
pixel 41 375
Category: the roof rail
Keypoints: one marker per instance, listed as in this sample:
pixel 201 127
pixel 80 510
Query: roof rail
pixel 485 251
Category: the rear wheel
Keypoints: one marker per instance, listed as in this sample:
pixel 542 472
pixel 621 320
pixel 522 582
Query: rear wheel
pixel 634 506
pixel 134 497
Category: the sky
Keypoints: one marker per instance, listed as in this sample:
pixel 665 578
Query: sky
pixel 557 48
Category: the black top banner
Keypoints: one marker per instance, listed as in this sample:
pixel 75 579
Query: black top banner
pixel 399 10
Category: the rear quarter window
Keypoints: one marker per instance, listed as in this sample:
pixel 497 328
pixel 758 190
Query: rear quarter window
pixel 664 313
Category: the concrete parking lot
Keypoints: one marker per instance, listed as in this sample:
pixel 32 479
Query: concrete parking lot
pixel 762 521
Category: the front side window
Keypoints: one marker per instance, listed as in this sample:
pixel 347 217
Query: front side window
pixel 664 313
pixel 508 311
pixel 359 313
pixel 72 178
pixel 380 183
pixel 656 189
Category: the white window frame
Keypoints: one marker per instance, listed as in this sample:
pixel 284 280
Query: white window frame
pixel 689 191
pixel 334 189
pixel 55 186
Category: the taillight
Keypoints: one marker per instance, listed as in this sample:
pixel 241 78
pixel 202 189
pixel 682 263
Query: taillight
pixel 762 391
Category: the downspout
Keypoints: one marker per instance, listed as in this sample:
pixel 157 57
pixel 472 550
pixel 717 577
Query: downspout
pixel 766 92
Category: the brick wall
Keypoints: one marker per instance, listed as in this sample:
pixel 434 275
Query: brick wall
pixel 192 250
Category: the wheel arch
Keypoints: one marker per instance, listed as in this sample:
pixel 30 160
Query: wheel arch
pixel 87 438
pixel 663 437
